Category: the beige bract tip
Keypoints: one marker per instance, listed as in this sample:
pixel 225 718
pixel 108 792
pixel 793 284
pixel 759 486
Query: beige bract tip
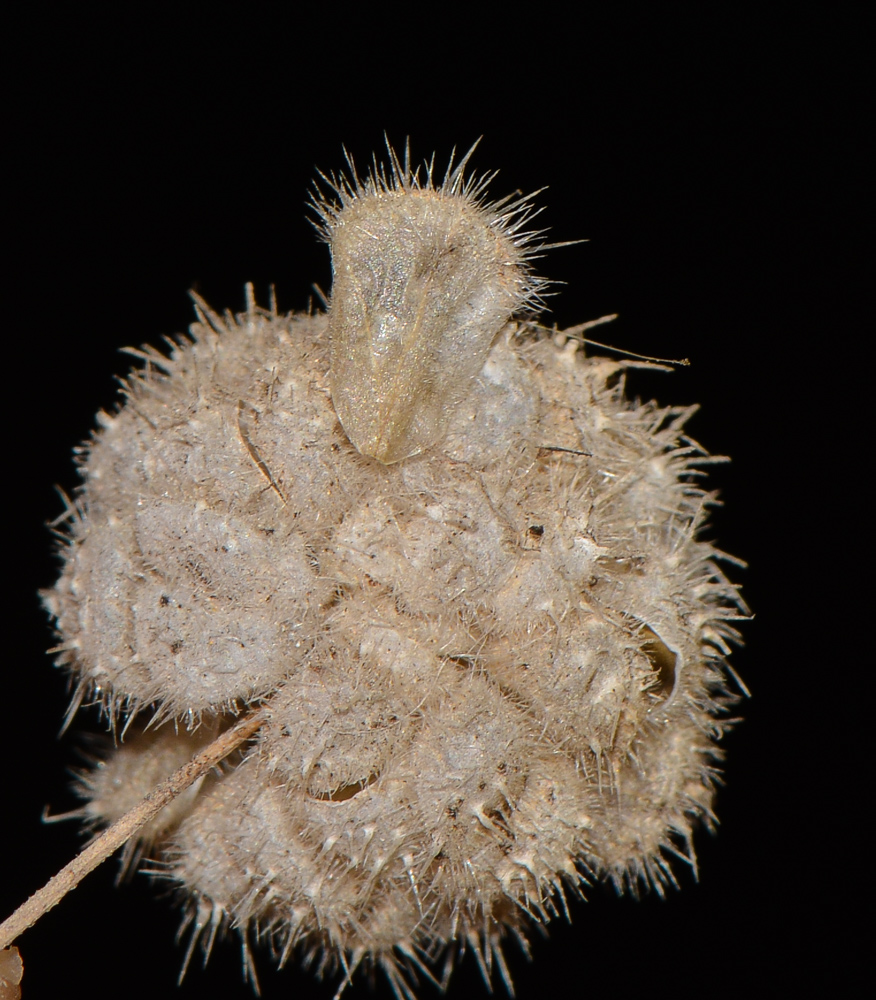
pixel 425 276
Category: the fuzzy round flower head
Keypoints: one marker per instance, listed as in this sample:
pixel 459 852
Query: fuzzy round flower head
pixel 459 569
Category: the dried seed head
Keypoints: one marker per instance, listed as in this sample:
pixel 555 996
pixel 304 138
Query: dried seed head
pixel 490 671
pixel 425 276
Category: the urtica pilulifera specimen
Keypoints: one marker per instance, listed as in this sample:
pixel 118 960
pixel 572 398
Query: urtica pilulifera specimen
pixel 458 567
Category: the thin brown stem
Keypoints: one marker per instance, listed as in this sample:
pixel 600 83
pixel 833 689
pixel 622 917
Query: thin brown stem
pixel 115 836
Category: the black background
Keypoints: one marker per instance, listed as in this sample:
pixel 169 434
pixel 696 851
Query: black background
pixel 706 157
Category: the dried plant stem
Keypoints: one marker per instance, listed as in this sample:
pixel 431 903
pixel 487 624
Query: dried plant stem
pixel 115 836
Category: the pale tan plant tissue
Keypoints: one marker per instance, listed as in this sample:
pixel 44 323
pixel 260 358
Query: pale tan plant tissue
pixel 462 570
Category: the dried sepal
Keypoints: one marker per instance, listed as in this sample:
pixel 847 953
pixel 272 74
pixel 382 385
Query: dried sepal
pixel 425 276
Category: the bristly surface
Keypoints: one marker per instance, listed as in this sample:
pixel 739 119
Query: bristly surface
pixel 510 215
pixel 489 638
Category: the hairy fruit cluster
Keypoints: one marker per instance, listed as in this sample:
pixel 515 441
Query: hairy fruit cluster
pixel 459 569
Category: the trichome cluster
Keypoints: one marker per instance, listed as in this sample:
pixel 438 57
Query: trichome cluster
pixel 459 569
